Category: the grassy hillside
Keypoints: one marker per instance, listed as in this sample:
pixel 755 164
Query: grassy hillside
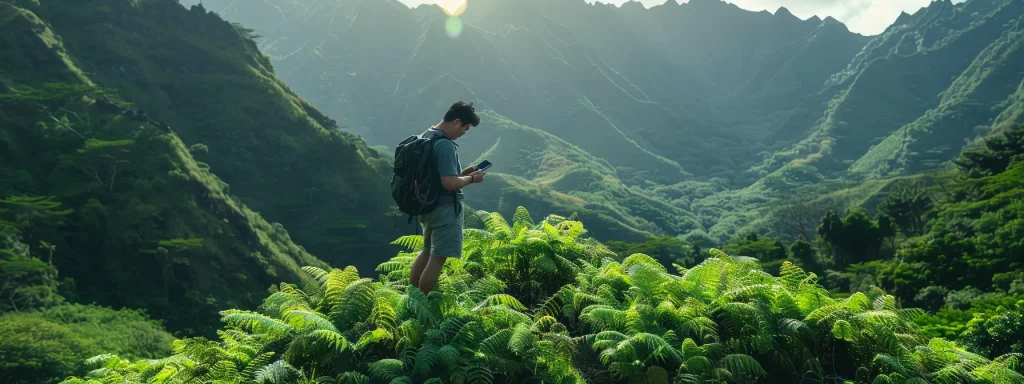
pixel 756 107
pixel 546 66
pixel 915 94
pixel 115 200
pixel 556 176
pixel 206 79
pixel 699 113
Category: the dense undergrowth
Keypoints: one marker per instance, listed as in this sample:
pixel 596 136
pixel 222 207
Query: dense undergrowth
pixel 47 345
pixel 538 302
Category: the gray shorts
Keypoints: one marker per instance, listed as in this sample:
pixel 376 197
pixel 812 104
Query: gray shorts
pixel 442 231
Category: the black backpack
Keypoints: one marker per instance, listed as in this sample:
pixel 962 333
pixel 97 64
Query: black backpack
pixel 416 184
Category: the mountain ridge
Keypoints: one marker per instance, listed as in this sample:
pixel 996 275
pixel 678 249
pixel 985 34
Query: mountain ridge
pixel 181 173
pixel 758 98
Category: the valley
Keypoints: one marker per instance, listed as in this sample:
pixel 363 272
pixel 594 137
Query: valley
pixel 754 106
pixel 196 191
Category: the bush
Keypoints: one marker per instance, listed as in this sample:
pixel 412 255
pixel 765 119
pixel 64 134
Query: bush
pixel 46 346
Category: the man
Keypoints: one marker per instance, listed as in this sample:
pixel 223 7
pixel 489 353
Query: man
pixel 442 227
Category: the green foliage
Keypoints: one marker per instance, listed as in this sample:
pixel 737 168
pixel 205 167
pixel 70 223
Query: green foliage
pixel 41 347
pixel 106 192
pixel 969 238
pixel 969 309
pixel 907 206
pixel 854 238
pixel 117 187
pixel 805 255
pixel 190 72
pixel 26 282
pixel 608 321
pixel 997 154
pixel 667 250
pixel 758 247
pixel 998 333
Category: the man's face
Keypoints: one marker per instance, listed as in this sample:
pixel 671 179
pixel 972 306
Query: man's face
pixel 460 128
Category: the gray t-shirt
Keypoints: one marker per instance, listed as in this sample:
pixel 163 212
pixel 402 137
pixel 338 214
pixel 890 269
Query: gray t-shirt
pixel 447 162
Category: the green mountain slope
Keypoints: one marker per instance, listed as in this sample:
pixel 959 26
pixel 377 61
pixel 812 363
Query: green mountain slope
pixel 985 95
pixel 710 112
pixel 204 78
pixel 912 97
pixel 546 68
pixel 158 133
pixel 556 176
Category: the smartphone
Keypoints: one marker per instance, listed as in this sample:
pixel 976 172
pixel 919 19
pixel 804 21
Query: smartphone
pixel 483 165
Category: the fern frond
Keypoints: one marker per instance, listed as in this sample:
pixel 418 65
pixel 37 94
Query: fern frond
pixel 522 215
pixel 501 299
pixel 256 323
pixel 742 365
pixel 316 273
pixel 414 243
pixel 353 377
pixel 385 370
pixel 278 372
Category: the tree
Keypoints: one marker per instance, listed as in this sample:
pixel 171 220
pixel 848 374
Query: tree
pixel 854 238
pixel 800 218
pixel 99 159
pixel 761 248
pixel 886 229
pixel 34 218
pixel 906 206
pixel 996 155
pixel 171 252
pixel 805 255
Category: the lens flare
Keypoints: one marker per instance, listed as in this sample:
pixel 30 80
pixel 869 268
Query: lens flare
pixel 453 26
pixel 453 7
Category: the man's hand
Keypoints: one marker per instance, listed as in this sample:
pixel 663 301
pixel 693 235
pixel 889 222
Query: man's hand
pixel 452 183
pixel 467 171
pixel 477 176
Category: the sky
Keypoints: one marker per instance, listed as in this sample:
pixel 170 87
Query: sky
pixel 867 17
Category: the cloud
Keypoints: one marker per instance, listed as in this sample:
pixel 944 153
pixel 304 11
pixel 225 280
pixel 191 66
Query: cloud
pixel 867 17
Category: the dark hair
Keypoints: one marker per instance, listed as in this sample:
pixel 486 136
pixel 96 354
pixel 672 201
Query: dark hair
pixel 462 111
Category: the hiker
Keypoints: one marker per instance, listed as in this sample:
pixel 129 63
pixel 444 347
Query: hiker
pixel 433 192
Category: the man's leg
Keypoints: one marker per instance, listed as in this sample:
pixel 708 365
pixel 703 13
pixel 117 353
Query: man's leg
pixel 421 260
pixel 418 266
pixel 446 241
pixel 428 280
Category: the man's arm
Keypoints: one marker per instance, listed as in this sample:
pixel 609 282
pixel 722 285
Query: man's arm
pixel 451 178
pixel 453 183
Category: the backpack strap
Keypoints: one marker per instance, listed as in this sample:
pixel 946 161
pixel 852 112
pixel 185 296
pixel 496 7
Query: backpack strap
pixel 455 201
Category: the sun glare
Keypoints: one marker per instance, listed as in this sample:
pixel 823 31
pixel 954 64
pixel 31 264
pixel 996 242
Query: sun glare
pixel 453 7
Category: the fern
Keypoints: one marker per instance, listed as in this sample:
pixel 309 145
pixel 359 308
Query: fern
pixel 540 302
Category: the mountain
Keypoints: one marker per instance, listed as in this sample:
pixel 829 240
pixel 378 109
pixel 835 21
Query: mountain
pixel 151 155
pixel 712 110
pixel 545 66
pixel 935 79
